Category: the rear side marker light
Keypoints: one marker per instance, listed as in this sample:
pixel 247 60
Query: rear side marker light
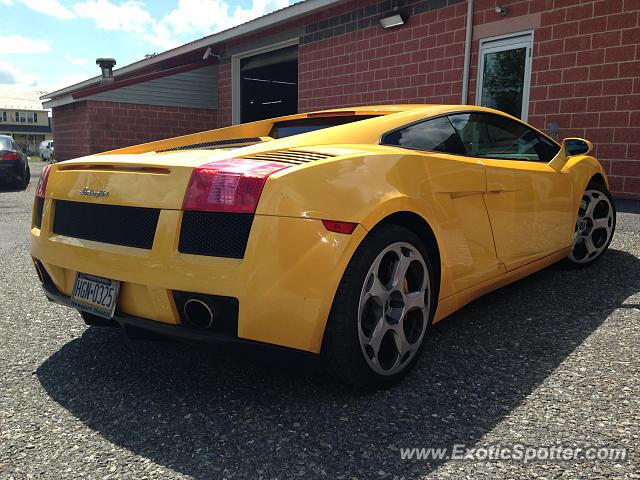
pixel 42 183
pixel 229 185
pixel 339 227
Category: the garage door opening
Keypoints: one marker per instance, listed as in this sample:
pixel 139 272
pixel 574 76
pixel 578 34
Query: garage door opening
pixel 269 84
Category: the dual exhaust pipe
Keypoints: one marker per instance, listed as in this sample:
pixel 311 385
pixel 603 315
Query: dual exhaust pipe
pixel 197 313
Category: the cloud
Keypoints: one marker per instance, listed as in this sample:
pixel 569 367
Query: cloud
pixel 65 81
pixel 6 78
pixel 205 17
pixel 129 16
pixel 213 15
pixel 75 60
pixel 190 18
pixel 18 44
pixel 49 7
pixel 15 76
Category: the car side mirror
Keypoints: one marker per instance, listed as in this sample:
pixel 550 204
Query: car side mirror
pixel 576 146
pixel 570 148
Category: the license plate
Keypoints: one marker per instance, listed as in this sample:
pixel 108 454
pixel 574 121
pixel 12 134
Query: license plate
pixel 95 295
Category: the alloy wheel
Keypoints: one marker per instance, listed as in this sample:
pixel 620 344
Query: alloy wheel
pixel 594 227
pixel 393 310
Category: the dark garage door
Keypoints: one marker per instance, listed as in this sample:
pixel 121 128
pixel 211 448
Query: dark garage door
pixel 269 84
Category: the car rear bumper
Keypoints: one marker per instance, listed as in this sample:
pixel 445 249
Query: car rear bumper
pixel 284 285
pixel 11 169
pixel 137 327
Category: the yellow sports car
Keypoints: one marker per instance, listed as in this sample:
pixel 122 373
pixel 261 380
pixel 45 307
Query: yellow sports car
pixel 345 232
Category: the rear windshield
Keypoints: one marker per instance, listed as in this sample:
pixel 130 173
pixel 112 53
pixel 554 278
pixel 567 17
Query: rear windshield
pixel 5 143
pixel 304 125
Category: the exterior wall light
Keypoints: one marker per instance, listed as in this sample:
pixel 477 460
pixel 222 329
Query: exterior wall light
pixel 394 20
pixel 502 10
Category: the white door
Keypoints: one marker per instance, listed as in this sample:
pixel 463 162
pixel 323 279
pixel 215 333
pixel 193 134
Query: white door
pixel 504 74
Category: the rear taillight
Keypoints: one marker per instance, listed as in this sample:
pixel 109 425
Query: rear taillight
pixel 42 183
pixel 9 156
pixel 229 185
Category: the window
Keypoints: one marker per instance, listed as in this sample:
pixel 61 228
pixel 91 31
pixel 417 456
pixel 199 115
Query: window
pixel 304 125
pixel 436 135
pixel 3 116
pixel 26 117
pixel 504 74
pixel 493 136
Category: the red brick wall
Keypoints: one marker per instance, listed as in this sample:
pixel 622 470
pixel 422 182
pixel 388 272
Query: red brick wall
pixel 90 126
pixel 71 129
pixel 417 63
pixel 224 94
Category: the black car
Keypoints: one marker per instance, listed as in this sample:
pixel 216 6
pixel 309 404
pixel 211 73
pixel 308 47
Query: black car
pixel 14 165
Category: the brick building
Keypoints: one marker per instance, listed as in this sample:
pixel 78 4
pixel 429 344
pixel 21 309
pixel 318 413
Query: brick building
pixel 570 67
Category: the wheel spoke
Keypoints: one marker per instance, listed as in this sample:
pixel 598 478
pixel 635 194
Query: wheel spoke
pixel 377 289
pixel 414 300
pixel 576 236
pixel 593 202
pixel 588 244
pixel 401 342
pixel 601 223
pixel 377 336
pixel 401 268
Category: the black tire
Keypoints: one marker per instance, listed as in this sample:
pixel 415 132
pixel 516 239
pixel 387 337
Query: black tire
pixel 342 353
pixel 580 256
pixel 23 183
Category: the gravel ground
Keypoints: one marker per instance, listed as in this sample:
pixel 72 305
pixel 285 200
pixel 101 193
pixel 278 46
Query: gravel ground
pixel 552 359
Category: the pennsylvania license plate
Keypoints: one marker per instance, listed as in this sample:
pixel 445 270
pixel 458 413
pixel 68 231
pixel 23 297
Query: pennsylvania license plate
pixel 95 295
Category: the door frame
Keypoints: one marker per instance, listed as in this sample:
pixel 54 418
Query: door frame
pixel 235 73
pixel 502 43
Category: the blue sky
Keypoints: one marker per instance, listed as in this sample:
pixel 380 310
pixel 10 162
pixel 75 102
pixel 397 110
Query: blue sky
pixel 49 44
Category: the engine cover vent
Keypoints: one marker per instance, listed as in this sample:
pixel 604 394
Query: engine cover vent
pixel 296 157
pixel 214 144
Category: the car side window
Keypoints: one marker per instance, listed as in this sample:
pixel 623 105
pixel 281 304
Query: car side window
pixel 487 135
pixel 435 135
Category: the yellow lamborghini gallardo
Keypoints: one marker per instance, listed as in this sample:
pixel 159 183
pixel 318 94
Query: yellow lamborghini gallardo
pixel 345 232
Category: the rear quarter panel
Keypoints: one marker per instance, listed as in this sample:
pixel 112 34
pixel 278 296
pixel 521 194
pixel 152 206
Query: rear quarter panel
pixel 365 188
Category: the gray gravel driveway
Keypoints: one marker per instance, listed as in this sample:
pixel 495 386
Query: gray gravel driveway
pixel 553 359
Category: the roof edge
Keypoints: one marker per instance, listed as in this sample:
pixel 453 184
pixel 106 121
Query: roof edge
pixel 285 14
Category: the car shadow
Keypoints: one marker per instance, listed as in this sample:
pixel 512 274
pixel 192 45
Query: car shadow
pixel 9 188
pixel 207 414
pixel 627 206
